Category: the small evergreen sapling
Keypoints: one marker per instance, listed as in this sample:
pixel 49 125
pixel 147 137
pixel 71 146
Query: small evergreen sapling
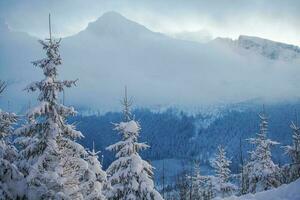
pixel 221 165
pixel 292 171
pixel 130 176
pixel 260 172
pixel 294 150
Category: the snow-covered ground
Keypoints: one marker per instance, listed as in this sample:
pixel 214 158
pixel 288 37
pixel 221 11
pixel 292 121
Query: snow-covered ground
pixel 284 192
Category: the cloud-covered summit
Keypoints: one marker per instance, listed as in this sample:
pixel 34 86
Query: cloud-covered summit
pixel 272 19
pixel 158 70
pixel 260 46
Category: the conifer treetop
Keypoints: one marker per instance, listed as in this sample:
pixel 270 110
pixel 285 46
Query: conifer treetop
pixel 127 103
pixel 50 86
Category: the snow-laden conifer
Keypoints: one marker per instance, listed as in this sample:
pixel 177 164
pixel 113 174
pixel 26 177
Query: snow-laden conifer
pixel 292 171
pixel 260 172
pixel 221 166
pixel 94 179
pixel 52 162
pixel 129 175
pixel 200 184
pixel 10 177
pixel 294 150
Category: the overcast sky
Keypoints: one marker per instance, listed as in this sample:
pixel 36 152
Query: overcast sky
pixel 274 19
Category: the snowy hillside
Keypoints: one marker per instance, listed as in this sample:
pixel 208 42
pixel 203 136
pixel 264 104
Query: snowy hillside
pixel 267 48
pixel 284 192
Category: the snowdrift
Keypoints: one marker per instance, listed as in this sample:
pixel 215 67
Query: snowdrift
pixel 284 192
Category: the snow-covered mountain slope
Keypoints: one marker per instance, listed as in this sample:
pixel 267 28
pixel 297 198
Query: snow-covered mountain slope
pixel 158 70
pixel 267 48
pixel 284 192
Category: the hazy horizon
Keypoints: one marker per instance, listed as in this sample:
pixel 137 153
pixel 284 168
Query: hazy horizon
pixel 194 20
pixel 158 70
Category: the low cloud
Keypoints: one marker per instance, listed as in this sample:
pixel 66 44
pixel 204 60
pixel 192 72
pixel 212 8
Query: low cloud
pixel 273 19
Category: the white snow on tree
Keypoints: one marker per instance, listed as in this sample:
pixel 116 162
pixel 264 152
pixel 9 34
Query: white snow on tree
pixel 222 186
pixel 294 150
pixel 293 169
pixel 10 177
pixel 130 176
pixel 201 188
pixel 260 172
pixel 94 178
pixel 197 183
pixel 52 162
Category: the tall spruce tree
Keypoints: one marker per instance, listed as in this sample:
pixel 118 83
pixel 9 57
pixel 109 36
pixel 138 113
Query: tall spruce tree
pixel 260 172
pixel 221 165
pixel 10 176
pixel 130 176
pixel 52 162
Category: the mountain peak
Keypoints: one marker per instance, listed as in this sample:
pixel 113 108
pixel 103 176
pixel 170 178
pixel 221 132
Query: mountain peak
pixel 114 24
pixel 112 15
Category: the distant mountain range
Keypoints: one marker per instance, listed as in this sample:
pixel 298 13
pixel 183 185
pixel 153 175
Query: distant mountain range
pixel 114 51
pixel 268 48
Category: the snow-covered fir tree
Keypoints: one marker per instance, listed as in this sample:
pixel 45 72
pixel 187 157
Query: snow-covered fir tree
pixel 260 172
pixel 221 164
pixel 10 176
pixel 94 179
pixel 294 150
pixel 200 184
pixel 129 175
pixel 293 169
pixel 50 158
